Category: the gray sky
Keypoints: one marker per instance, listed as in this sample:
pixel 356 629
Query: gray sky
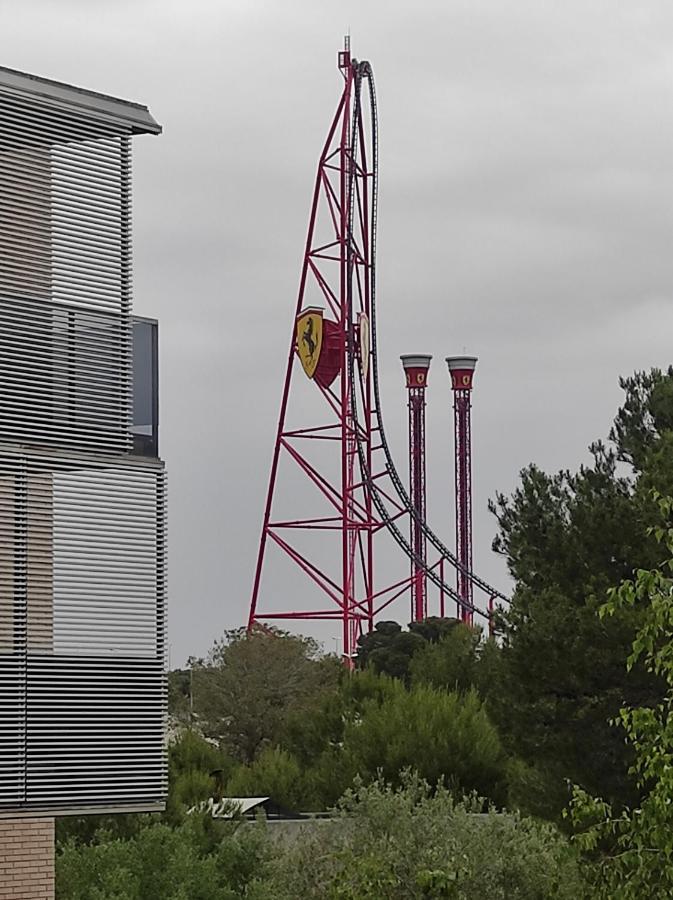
pixel 525 216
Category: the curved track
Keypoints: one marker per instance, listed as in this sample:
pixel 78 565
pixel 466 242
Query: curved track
pixel 363 71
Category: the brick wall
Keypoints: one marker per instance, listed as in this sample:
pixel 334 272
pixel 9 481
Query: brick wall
pixel 26 859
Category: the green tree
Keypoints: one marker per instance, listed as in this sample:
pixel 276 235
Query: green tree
pixel 197 770
pixel 374 723
pixel 179 694
pixel 202 859
pixel 316 739
pixel 250 683
pixel 417 841
pixel 645 416
pixel 449 663
pixel 568 538
pixel 388 649
pixel 434 628
pixel 442 736
pixel 275 773
pixel 634 845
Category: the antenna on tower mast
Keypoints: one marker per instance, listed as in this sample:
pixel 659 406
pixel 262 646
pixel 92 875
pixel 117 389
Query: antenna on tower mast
pixel 345 54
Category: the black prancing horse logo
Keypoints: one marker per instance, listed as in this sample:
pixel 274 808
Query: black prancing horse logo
pixel 307 338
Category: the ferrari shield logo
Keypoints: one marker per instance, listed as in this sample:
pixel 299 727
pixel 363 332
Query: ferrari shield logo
pixel 309 339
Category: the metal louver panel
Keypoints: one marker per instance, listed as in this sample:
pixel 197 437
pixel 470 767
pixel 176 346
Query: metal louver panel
pixel 82 523
pixel 82 607
pixel 65 276
pixel 94 732
pixel 63 376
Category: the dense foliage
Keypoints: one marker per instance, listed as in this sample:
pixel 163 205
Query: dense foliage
pixel 388 649
pixel 568 539
pixel 634 846
pixel 408 842
pixel 201 859
pixel 436 713
pixel 334 727
pixel 414 842
pixel 241 694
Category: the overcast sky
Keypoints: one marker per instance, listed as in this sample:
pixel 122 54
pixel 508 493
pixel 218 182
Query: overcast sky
pixel 525 216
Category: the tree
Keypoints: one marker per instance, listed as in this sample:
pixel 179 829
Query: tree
pixel 202 859
pixel 449 663
pixel 276 774
pixel 635 845
pixel 568 539
pixel 417 841
pixel 389 650
pixel 197 770
pixel 179 694
pixel 646 415
pixel 434 628
pixel 315 736
pixel 442 736
pixel 250 682
pixel 372 724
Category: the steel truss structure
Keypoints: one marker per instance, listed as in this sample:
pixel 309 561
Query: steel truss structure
pixel 463 443
pixel 354 474
pixel 462 374
pixel 416 371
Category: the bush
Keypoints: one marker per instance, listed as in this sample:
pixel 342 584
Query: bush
pixel 450 663
pixel 443 736
pixel 416 842
pixel 196 770
pixel 203 859
pixel 276 774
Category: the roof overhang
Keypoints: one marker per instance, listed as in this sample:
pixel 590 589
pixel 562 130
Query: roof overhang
pixel 135 115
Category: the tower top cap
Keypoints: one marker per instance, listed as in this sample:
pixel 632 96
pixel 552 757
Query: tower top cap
pixel 461 362
pixel 416 360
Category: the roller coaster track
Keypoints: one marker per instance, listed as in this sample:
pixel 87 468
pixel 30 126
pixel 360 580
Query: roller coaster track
pixel 363 70
pixel 367 497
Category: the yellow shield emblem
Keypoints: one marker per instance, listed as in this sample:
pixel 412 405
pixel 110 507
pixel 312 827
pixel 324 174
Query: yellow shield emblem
pixel 309 339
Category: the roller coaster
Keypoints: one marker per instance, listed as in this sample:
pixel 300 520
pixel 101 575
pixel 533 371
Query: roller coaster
pixel 335 340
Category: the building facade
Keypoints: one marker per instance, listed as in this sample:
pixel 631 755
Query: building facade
pixel 82 489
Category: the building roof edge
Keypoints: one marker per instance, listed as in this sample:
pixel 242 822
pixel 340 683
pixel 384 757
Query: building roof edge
pixel 134 114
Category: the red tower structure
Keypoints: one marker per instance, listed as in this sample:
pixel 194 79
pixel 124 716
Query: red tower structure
pixel 332 343
pixel 462 369
pixel 343 489
pixel 416 368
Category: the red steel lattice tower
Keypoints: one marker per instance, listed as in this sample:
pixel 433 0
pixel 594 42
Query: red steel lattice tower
pixel 416 370
pixel 462 369
pixel 334 491
pixel 331 340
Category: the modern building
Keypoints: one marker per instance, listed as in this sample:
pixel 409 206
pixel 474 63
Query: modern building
pixel 82 493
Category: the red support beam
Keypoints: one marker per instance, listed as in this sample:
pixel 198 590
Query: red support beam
pixel 341 493
pixel 416 371
pixel 462 375
pixel 339 271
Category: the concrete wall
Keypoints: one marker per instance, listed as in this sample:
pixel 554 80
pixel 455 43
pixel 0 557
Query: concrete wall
pixel 27 859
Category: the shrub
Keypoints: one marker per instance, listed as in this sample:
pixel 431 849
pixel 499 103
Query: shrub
pixel 202 859
pixel 443 736
pixel 415 842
